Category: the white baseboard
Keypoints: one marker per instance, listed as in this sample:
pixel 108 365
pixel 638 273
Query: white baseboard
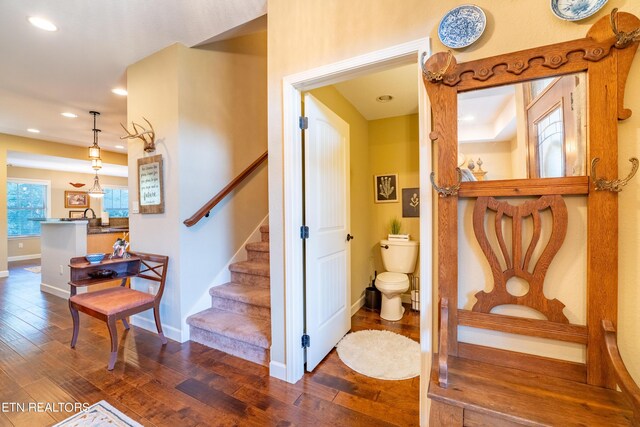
pixel 278 370
pixel 23 257
pixel 150 325
pixel 54 291
pixel 357 305
pixel 4 273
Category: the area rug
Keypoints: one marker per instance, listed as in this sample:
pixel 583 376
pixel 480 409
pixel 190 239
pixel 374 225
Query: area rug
pixel 37 269
pixel 380 354
pixel 97 415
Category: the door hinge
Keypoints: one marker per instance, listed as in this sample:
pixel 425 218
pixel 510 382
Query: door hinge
pixel 303 122
pixel 306 341
pixel 304 232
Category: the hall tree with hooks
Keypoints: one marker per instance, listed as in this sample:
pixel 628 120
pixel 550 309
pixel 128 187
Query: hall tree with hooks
pixel 518 229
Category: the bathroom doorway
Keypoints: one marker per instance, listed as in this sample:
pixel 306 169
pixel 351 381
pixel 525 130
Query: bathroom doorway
pixel 289 328
pixel 360 132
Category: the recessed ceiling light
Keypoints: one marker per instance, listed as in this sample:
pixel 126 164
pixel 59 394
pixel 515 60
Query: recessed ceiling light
pixel 119 91
pixel 69 115
pixel 42 23
pixel 384 98
pixel 32 130
pixel 120 146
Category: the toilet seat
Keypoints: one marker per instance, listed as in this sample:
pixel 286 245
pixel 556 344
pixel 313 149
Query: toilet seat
pixel 390 280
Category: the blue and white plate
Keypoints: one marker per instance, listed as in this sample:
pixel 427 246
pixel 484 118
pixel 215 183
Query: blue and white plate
pixel 462 26
pixel 575 10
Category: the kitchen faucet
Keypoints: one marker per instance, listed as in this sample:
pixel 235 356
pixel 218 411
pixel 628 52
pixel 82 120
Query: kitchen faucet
pixel 84 215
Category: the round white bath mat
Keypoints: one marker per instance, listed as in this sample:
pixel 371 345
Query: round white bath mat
pixel 380 354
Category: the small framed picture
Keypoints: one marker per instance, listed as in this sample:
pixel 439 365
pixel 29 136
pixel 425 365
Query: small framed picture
pixel 76 214
pixel 410 202
pixel 386 188
pixel 76 199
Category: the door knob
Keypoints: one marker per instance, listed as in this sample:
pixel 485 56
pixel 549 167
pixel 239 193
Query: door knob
pixel 350 237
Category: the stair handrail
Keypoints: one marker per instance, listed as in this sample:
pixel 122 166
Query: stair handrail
pixel 626 383
pixel 205 210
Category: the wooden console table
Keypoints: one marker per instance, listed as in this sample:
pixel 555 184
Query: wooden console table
pixel 81 268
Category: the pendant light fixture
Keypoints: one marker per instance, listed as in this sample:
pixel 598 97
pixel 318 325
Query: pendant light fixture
pixel 96 191
pixel 96 162
pixel 94 150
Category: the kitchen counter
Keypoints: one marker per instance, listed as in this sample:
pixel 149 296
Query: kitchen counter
pixel 107 229
pixel 63 239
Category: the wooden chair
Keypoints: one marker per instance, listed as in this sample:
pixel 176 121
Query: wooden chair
pixel 113 304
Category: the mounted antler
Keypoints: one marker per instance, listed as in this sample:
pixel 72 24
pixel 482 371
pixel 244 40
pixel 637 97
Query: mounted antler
pixel 148 136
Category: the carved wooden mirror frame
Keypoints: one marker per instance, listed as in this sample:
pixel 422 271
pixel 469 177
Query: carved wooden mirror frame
pixel 605 54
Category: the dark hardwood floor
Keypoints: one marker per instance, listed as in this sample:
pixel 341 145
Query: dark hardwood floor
pixel 181 384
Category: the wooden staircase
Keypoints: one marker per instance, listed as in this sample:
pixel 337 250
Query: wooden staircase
pixel 239 320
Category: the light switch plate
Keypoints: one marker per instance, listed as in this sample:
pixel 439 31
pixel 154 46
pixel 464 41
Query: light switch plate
pixel 135 207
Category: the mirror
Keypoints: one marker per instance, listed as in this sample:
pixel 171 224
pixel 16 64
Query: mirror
pixel 535 129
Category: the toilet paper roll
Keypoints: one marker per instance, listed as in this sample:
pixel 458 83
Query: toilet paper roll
pixel 415 300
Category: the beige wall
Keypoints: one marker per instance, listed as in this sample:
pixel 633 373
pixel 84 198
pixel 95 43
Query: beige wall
pixel 496 158
pixel 36 146
pixel 208 107
pixel 305 35
pixel 59 184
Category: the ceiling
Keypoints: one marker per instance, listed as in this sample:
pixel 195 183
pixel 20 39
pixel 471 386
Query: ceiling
pixel 401 83
pixel 44 74
pixel 487 115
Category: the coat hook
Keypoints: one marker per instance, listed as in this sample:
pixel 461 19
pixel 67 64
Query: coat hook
pixel 447 191
pixel 616 185
pixel 436 76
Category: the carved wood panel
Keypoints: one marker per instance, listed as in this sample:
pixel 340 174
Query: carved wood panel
pixel 519 264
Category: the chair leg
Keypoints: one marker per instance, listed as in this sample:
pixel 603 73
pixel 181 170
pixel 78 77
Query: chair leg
pixel 76 324
pixel 125 323
pixel 113 333
pixel 156 315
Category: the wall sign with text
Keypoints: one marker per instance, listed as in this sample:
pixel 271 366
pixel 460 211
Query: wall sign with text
pixel 150 185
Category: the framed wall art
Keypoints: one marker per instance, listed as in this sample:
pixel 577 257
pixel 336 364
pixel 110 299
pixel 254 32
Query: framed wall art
pixel 76 199
pixel 410 202
pixel 150 185
pixel 386 188
pixel 76 214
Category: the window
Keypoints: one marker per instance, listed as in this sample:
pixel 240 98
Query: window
pixel 116 202
pixel 26 200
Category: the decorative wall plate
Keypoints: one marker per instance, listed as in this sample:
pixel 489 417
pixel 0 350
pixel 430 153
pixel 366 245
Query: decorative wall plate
pixel 462 26
pixel 575 10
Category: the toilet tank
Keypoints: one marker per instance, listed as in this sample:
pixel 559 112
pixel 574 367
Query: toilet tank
pixel 399 256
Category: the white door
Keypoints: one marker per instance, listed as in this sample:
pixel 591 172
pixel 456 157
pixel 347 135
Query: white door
pixel 328 287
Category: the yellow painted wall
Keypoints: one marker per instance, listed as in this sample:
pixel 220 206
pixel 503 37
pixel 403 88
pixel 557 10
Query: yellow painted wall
pixel 59 184
pixel 361 193
pixel 393 148
pixel 305 35
pixel 36 146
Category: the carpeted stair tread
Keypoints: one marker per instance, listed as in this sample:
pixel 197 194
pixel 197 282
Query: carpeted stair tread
pixel 250 267
pixel 264 228
pixel 239 327
pixel 258 246
pixel 248 294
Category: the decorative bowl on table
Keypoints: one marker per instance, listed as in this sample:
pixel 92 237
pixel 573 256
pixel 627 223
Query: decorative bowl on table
pixel 102 274
pixel 94 258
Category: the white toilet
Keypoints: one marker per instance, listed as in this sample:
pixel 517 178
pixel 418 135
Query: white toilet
pixel 399 258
